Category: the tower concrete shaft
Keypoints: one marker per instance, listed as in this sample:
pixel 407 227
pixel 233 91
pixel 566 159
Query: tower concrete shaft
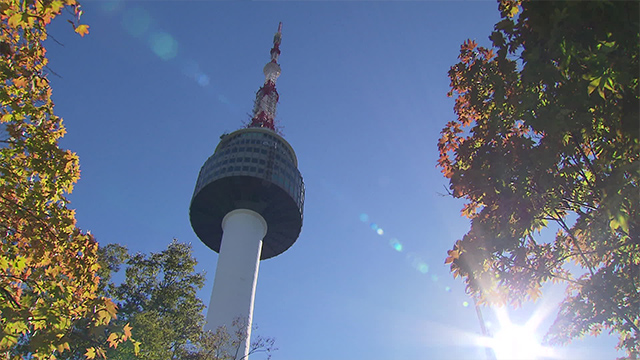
pixel 234 286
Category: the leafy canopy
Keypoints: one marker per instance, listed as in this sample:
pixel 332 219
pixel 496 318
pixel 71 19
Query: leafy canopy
pixel 48 281
pixel 546 136
pixel 159 307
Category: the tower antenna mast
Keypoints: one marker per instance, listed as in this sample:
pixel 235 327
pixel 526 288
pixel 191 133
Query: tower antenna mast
pixel 264 108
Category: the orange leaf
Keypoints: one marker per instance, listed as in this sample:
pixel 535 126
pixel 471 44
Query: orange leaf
pixel 453 255
pixel 82 29
pixel 127 331
pixel 113 340
pixel 20 82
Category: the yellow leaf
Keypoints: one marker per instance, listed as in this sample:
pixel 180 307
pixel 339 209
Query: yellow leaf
pixel 103 317
pixel 91 353
pixel 514 11
pixel 62 347
pixel 15 20
pixel 56 6
pixel 111 307
pixel 82 29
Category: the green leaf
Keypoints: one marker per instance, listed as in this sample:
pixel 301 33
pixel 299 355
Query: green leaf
pixel 593 85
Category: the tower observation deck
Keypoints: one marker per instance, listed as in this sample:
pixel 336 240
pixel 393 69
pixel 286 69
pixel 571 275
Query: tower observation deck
pixel 248 205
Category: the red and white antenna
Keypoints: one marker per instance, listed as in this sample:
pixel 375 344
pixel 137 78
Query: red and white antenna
pixel 264 109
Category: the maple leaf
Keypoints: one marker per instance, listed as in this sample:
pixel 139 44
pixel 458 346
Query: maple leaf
pixel 113 340
pixel 91 353
pixel 56 6
pixel 20 82
pixel 82 29
pixel 15 20
pixel 127 331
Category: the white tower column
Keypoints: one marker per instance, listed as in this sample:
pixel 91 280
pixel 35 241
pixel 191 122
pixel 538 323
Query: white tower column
pixel 234 286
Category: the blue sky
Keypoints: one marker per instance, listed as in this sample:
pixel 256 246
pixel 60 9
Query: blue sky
pixel 146 95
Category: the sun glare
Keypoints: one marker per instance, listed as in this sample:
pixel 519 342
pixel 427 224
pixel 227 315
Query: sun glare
pixel 516 342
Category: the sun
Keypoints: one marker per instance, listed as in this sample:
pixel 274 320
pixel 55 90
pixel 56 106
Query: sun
pixel 516 342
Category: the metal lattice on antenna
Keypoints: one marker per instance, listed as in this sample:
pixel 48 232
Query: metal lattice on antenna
pixel 264 108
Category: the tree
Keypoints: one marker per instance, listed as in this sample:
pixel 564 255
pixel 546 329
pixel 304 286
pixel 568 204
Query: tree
pixel 158 298
pixel 48 266
pixel 158 305
pixel 546 137
pixel 225 345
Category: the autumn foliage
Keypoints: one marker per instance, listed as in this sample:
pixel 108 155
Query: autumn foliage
pixel 48 281
pixel 546 140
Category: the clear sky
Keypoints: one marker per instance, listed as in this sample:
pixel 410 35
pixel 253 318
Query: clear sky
pixel 146 95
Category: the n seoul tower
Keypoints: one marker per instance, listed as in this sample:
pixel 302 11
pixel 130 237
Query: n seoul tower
pixel 248 205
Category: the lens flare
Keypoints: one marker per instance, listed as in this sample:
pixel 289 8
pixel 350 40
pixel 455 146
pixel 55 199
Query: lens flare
pixel 136 22
pixel 163 45
pixel 223 99
pixel 111 6
pixel 364 217
pixel 380 231
pixel 203 80
pixel 395 244
pixel 423 268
